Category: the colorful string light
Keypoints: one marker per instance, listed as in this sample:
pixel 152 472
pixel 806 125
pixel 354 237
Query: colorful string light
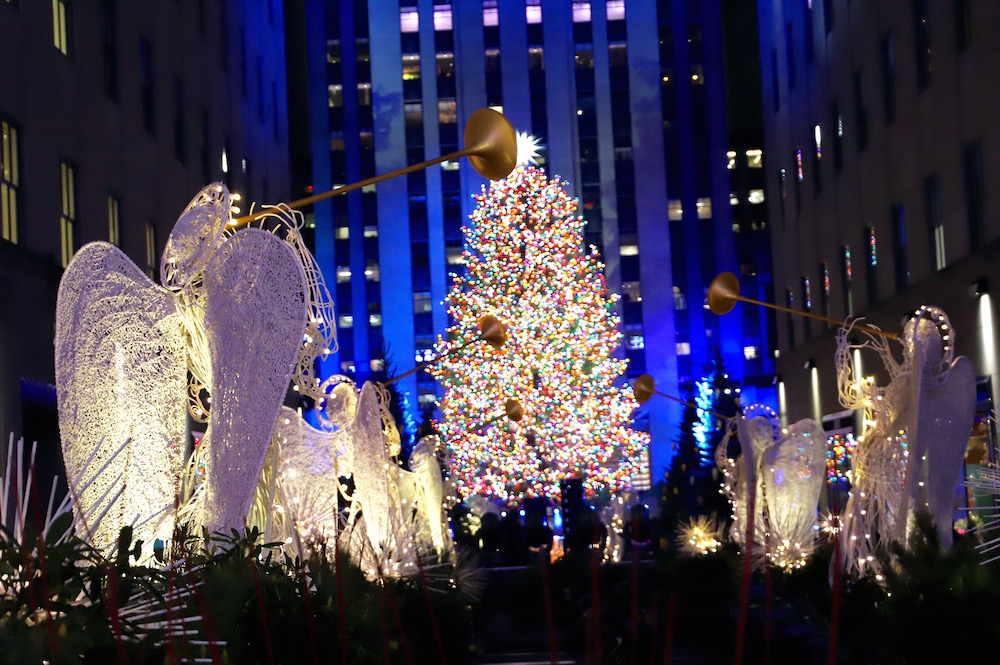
pixel 524 265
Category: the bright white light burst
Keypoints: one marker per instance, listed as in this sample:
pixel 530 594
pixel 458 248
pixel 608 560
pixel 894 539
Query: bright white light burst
pixel 528 147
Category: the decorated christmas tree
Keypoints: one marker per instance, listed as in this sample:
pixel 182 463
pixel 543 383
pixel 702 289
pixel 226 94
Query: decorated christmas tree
pixel 525 265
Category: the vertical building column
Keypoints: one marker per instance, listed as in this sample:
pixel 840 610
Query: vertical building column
pixel 560 88
pixel 470 73
pixel 391 195
pixel 730 333
pixel 432 148
pixel 606 155
pixel 319 142
pixel 654 235
pixel 514 64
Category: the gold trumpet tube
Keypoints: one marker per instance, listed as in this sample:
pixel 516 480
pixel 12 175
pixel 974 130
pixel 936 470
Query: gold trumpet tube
pixel 491 331
pixel 490 145
pixel 645 387
pixel 724 293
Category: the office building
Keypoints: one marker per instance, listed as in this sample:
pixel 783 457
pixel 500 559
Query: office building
pixel 628 100
pixel 882 153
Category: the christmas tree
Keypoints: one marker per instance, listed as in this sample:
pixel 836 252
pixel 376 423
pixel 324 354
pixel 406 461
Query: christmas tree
pixel 525 265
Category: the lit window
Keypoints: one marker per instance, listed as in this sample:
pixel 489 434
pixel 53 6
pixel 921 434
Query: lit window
pixel 114 228
pixel 364 94
pixel 445 63
pixel 454 256
pixel 616 10
pixel 675 210
pixel 533 12
pixel 631 291
pixel 423 355
pixel 421 302
pixel 731 159
pixel 581 12
pixel 371 271
pixel 425 400
pixel 491 15
pixel 346 321
pixel 375 320
pixel 333 51
pixel 68 218
pixel 697 75
pixel 336 95
pixel 755 159
pixel 371 232
pixel 409 20
pixel 60 26
pixel 343 274
pixel 10 180
pixel 680 302
pixel 150 249
pixel 449 165
pixel 750 352
pixel 818 140
pixel 342 233
pixel 411 67
pixel 447 113
pixel 629 250
pixel 347 366
pixel 636 342
pixel 704 205
pixel 756 196
pixel 940 258
pixel 683 348
pixel 377 364
pixel 733 199
pixel 442 17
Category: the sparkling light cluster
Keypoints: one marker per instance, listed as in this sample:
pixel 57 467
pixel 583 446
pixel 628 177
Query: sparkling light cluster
pixel 699 536
pixel 525 266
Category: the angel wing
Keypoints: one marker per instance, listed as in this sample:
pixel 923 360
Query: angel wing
pixel 120 367
pixel 312 460
pixel 255 318
pixel 794 470
pixel 423 488
pixel 944 423
pixel 374 488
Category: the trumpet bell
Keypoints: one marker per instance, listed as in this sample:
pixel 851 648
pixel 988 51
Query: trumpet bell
pixel 723 293
pixel 492 144
pixel 643 388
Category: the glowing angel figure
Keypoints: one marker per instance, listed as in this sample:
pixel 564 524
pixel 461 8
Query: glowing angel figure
pixel 231 311
pixel 392 510
pixel 787 470
pixel 916 432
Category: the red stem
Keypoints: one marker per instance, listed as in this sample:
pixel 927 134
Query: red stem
pixel 263 613
pixel 430 610
pixel 553 648
pixel 399 623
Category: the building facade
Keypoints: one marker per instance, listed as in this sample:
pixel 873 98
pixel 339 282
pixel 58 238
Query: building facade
pixel 883 160
pixel 114 115
pixel 628 100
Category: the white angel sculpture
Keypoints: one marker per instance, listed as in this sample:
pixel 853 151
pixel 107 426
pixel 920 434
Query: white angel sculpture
pixel 915 436
pixel 394 514
pixel 787 471
pixel 232 312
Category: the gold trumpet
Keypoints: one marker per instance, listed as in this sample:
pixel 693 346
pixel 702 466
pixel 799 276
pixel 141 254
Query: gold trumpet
pixel 490 144
pixel 644 387
pixel 491 331
pixel 724 293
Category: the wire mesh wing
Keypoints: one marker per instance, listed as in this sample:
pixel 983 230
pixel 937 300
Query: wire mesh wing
pixel 120 376
pixel 255 319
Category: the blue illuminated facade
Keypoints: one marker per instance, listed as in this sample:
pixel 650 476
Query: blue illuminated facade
pixel 629 100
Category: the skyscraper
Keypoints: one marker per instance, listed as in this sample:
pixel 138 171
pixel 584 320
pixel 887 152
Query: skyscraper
pixel 629 101
pixel 883 153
